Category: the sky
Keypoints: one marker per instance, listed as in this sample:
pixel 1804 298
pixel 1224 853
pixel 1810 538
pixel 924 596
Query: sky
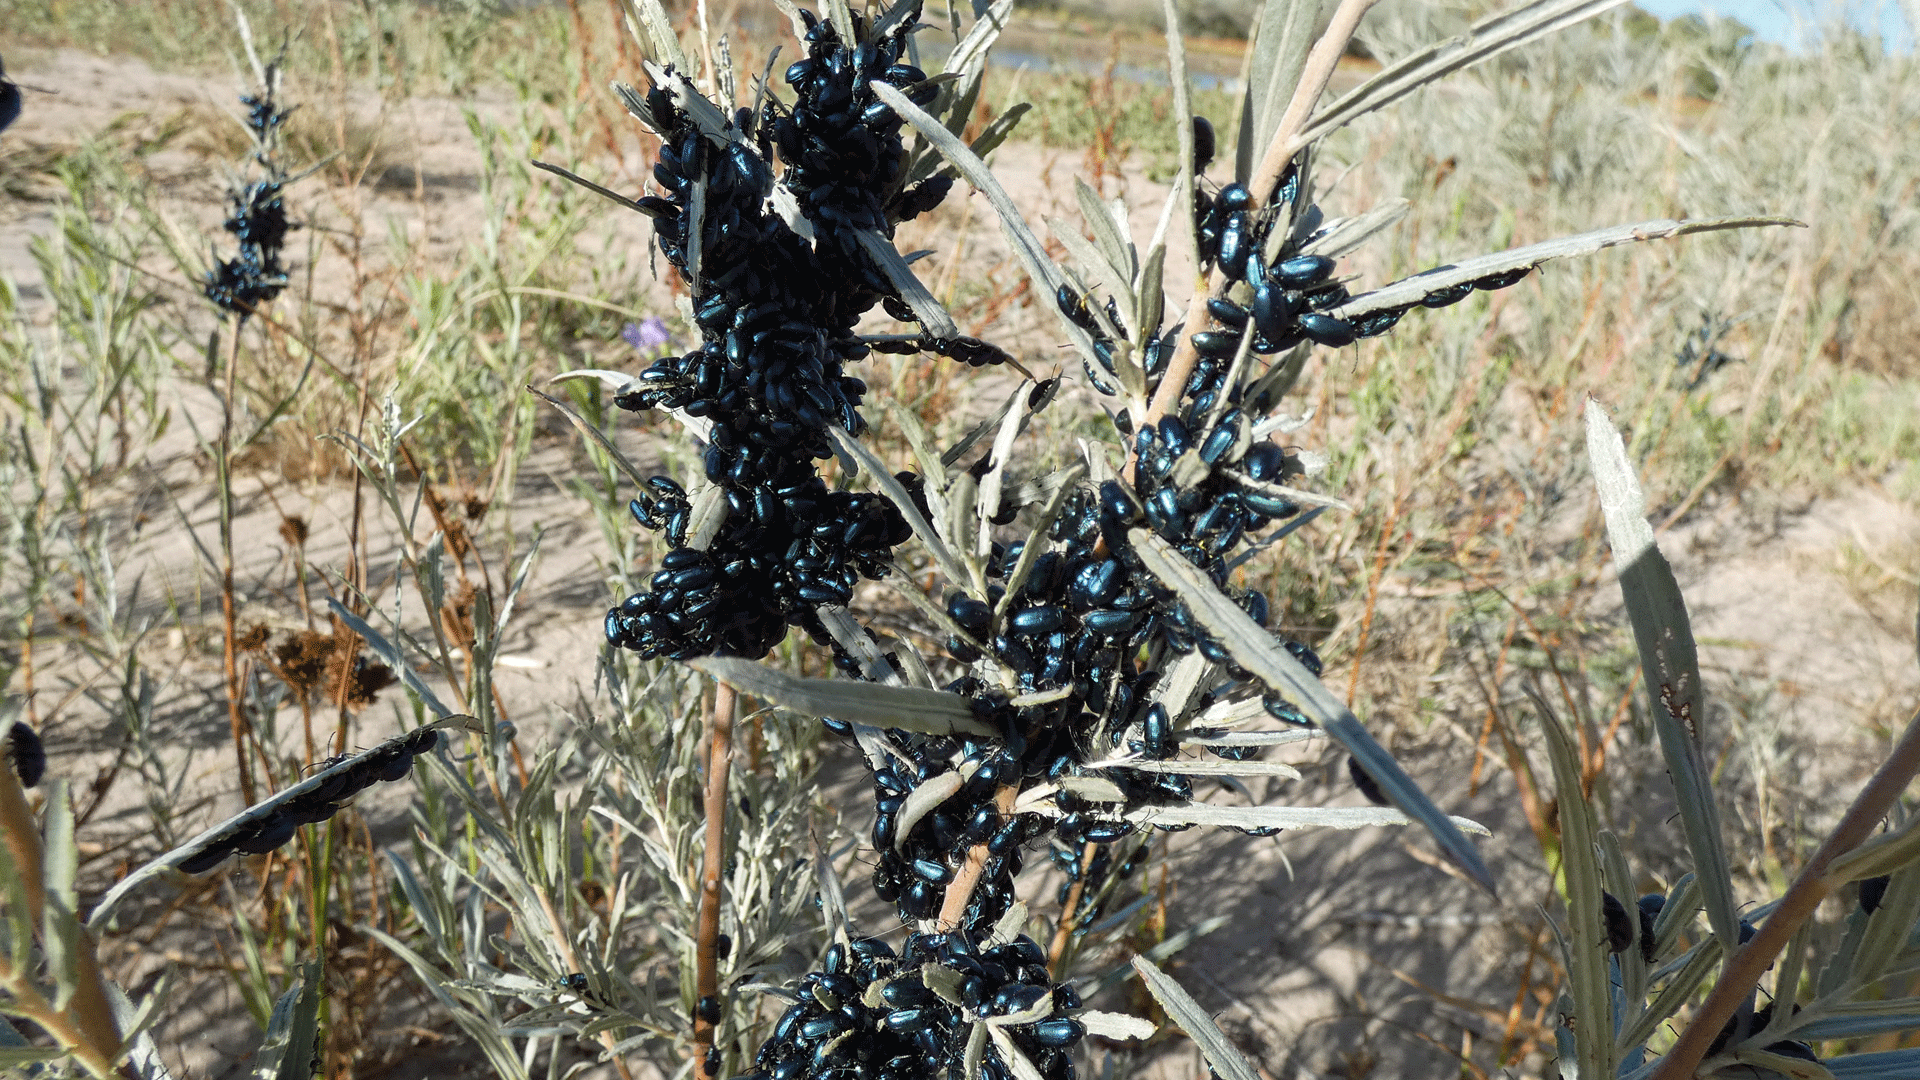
pixel 1784 22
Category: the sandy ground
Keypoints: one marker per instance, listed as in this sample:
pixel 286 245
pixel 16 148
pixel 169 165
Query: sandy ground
pixel 1331 937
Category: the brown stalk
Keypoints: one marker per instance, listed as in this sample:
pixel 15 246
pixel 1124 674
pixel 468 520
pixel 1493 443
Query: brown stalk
pixel 1068 914
pixel 1319 69
pixel 85 1027
pixel 954 904
pixel 1753 959
pixel 706 954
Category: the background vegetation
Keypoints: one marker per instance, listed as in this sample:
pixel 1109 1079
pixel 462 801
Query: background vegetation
pixel 388 459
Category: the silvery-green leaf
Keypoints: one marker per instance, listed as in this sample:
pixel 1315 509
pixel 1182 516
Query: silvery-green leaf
pixel 1248 738
pixel 696 232
pixel 1204 768
pixel 1791 1067
pixel 706 515
pixel 231 827
pixel 1027 492
pixel 1486 39
pixel 660 33
pixel 972 49
pixel 1039 1010
pixel 1278 54
pixel 907 708
pixel 636 105
pixel 1348 234
pixel 1668 662
pixel 1110 233
pixel 289 1050
pixel 1254 649
pixel 1015 1058
pixel 943 981
pixel 392 657
pixel 994 134
pixel 1887 930
pixel 1411 290
pixel 593 433
pixel 976 1050
pixel 924 453
pixel 1093 789
pixel 876 470
pixel 1011 925
pixel 1283 817
pixel 988 505
pixel 1676 990
pixel 1117 1026
pixel 1044 275
pixel 921 801
pixel 1587 958
pixel 1882 854
pixel 887 257
pixel 1107 278
pixel 604 193
pixel 1150 284
pixel 979 431
pixel 1036 541
pixel 1192 1019
pixel 841 16
pixel 787 208
pixel 1860 1019
pixel 1683 900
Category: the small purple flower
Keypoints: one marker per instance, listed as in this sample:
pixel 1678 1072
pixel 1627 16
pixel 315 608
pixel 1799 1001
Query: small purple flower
pixel 648 336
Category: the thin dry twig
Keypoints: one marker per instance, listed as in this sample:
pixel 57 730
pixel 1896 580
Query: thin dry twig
pixel 954 904
pixel 1753 959
pixel 706 941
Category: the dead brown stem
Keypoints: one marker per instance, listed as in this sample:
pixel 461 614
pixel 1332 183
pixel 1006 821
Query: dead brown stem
pixel 707 935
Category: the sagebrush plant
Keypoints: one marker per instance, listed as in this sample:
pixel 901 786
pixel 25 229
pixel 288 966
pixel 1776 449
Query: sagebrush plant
pixel 581 895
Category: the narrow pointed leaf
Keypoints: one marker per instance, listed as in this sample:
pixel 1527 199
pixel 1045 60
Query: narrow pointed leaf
pixel 1668 662
pixel 1253 648
pixel 908 708
pixel 1192 1019
pixel 1487 38
pixel 1586 937
pixel 1411 290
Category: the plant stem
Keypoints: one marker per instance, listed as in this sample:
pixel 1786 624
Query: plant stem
pixel 1319 69
pixel 706 954
pixel 954 904
pixel 1753 959
pixel 223 469
pixel 1070 911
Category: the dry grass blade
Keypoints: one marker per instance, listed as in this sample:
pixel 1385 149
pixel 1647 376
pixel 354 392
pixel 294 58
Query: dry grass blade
pixel 908 708
pixel 1487 38
pixel 1411 290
